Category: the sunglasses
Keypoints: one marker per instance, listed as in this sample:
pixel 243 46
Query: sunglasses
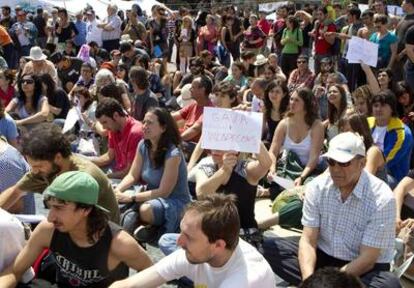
pixel 27 81
pixel 332 162
pixel 301 62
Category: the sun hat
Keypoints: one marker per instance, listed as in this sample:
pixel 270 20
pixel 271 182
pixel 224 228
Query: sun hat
pixel 345 146
pixel 260 60
pixel 75 186
pixel 36 54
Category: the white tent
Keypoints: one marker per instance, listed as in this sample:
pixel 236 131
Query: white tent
pixel 74 6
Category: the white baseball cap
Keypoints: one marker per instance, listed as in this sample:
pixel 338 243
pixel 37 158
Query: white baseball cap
pixel 345 146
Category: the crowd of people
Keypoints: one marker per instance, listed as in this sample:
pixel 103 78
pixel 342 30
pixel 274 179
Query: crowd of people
pixel 104 117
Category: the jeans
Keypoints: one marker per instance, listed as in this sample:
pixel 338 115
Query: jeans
pixel 282 255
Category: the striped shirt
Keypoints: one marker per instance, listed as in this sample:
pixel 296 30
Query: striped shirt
pixel 115 22
pixel 367 217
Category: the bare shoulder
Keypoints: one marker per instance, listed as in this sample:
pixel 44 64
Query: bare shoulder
pixel 43 233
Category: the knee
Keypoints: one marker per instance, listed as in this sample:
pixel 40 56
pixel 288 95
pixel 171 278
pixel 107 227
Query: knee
pixel 145 213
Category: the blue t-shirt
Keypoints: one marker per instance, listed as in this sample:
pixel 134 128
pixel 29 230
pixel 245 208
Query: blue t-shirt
pixel 152 176
pixel 12 168
pixel 8 128
pixel 384 49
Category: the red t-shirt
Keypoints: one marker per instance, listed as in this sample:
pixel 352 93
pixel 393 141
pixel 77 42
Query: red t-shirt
pixel 321 45
pixel 264 25
pixel 7 96
pixel 191 115
pixel 125 142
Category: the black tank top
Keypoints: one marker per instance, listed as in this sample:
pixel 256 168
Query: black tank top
pixel 85 267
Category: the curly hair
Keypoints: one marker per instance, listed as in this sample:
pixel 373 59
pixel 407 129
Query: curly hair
pixel 310 106
pixel 171 135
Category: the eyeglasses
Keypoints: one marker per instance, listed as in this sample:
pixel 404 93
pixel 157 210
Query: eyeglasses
pixel 332 162
pixel 27 81
pixel 301 62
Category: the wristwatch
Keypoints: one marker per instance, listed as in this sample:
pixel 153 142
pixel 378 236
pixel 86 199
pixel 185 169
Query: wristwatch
pixel 134 198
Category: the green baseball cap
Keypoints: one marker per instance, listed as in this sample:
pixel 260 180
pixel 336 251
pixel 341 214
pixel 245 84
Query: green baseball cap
pixel 75 186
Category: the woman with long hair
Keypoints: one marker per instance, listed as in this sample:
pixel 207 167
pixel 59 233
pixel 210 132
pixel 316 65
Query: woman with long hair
pixel 30 106
pixel 276 101
pixel 57 98
pixel 301 133
pixel 237 76
pixel 159 163
pixel 254 37
pixel 337 105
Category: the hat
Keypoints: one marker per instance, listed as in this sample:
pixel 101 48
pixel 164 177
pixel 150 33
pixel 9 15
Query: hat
pixel 36 54
pixel 125 39
pixel 56 57
pixel 345 146
pixel 260 60
pixel 75 186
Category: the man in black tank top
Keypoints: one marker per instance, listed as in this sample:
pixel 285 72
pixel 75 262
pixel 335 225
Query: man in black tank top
pixel 88 250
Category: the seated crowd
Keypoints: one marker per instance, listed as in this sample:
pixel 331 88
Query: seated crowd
pixel 95 118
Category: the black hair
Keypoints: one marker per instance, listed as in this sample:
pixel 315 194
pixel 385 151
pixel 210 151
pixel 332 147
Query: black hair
pixel 108 106
pixel 206 83
pixel 334 114
pixel 329 277
pixel 111 90
pixel 44 141
pixel 354 11
pixel 50 83
pixel 37 93
pixel 386 97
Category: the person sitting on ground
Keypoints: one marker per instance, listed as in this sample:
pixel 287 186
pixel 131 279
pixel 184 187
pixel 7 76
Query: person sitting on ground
pixel 57 99
pixel 8 127
pixel 80 237
pixel 361 98
pixel 7 89
pixel 13 239
pixel 212 253
pixel 302 76
pixel 300 137
pixel 13 167
pixel 391 135
pixel 48 153
pixel 201 87
pixel 348 197
pixel 159 163
pixel 124 134
pixel 86 78
pixel 337 105
pixel 329 277
pixel 30 106
pixel 68 69
pixel 229 174
pixel 39 64
pixel 144 98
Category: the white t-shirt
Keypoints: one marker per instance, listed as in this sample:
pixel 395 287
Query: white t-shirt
pixel 257 104
pixel 11 242
pixel 245 269
pixel 379 135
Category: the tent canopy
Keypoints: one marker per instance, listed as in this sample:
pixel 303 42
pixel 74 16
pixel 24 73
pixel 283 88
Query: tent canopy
pixel 74 6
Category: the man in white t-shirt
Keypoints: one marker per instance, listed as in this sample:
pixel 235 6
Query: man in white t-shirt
pixel 212 254
pixel 12 240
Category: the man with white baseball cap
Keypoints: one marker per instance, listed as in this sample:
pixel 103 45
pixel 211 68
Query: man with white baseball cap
pixel 348 222
pixel 39 64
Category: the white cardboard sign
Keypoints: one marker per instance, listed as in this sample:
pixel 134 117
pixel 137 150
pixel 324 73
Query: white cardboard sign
pixel 226 129
pixel 361 50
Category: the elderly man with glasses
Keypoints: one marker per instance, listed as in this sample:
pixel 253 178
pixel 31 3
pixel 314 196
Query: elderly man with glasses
pixel 348 219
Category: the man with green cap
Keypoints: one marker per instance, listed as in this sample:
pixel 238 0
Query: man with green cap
pixel 48 153
pixel 88 249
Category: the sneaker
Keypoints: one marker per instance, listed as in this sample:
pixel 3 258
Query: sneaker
pixel 147 233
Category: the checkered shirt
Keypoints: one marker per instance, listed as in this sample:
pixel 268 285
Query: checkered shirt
pixel 367 217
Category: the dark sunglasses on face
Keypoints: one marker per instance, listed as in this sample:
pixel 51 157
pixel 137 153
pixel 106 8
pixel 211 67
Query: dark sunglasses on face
pixel 27 81
pixel 332 162
pixel 301 62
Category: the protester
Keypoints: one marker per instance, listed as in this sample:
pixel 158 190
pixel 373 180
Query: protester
pixel 368 250
pixel 212 253
pixel 77 231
